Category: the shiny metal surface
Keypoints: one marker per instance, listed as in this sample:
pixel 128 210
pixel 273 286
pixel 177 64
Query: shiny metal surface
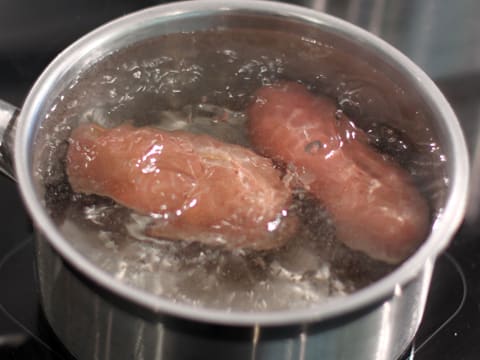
pixel 8 115
pixel 94 325
pixel 82 302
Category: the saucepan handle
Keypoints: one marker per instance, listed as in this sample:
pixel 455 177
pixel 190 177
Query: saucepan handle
pixel 8 117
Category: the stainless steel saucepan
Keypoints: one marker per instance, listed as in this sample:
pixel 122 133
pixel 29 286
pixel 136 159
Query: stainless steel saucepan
pixel 98 316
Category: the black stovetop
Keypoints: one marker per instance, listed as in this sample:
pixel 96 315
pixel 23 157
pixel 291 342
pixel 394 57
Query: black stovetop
pixel 32 33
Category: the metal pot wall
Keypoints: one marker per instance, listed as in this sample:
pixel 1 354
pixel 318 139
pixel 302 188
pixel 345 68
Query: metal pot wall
pixel 99 317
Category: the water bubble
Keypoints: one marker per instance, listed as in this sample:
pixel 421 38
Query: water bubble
pixel 314 147
pixel 108 79
pixel 338 114
pixel 72 104
pixel 231 55
pixel 349 105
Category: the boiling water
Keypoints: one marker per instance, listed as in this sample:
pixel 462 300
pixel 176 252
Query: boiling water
pixel 208 93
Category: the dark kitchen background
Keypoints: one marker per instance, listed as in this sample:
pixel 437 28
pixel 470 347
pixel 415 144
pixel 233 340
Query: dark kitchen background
pixel 441 36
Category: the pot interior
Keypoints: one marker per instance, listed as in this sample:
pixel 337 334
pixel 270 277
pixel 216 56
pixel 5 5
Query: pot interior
pixel 199 72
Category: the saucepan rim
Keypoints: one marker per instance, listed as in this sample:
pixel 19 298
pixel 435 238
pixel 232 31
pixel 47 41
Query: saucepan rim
pixel 443 229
